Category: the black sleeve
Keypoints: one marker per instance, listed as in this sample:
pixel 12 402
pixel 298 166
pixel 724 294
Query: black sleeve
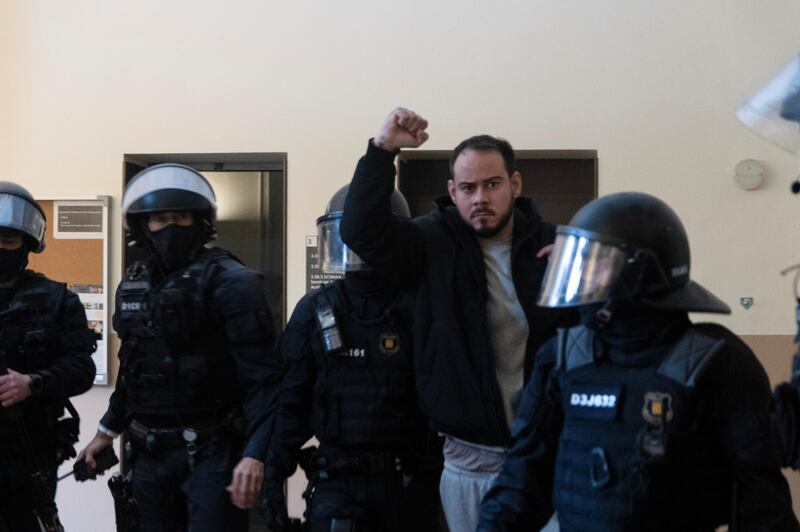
pixel 117 416
pixel 393 246
pixel 739 394
pixel 72 371
pixel 293 417
pixel 239 298
pixel 520 499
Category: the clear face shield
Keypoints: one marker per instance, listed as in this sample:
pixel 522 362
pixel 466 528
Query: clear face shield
pixel 583 269
pixel 16 213
pixel 334 255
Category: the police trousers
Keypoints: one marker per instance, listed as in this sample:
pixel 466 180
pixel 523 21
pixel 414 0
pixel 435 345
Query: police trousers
pixel 18 494
pixel 171 496
pixel 386 502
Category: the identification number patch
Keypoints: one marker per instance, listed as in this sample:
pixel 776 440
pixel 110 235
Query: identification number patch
pixel 590 401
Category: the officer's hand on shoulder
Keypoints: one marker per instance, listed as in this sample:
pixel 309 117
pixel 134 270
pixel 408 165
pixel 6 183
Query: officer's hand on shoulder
pixel 403 128
pixel 245 486
pixel 14 387
pixel 98 443
pixel 546 251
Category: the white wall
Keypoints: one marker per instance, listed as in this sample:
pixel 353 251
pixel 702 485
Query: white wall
pixel 652 85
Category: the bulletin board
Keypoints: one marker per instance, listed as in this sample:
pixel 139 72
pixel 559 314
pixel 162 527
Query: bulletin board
pixel 76 253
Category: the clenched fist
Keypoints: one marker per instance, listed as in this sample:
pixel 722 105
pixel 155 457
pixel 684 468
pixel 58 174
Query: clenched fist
pixel 403 128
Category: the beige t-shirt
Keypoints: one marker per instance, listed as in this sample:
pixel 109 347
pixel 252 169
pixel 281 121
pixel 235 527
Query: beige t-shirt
pixel 508 326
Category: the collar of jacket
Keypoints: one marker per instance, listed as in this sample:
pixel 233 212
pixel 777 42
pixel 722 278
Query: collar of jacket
pixel 527 219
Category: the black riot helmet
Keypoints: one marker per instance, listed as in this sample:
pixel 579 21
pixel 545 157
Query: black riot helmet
pixel 625 245
pixel 19 212
pixel 335 256
pixel 169 187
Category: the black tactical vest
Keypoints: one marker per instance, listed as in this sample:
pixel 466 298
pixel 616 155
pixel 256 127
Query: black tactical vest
pixel 29 342
pixel 629 454
pixel 28 328
pixel 176 361
pixel 364 393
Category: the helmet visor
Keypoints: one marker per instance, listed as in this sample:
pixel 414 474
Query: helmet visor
pixel 581 270
pixel 334 255
pixel 17 213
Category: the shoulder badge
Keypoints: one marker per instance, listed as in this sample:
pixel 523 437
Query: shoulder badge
pixel 389 343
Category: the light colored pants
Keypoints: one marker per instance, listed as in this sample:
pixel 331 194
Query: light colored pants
pixel 462 491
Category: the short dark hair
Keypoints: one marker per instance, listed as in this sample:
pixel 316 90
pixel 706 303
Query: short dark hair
pixel 486 143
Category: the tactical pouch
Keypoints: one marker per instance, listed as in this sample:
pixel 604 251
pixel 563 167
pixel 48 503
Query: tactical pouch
pixel 124 504
pixel 193 377
pixel 65 434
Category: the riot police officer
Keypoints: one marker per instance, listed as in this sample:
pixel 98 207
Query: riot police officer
pixel 197 366
pixel 638 419
pixel 350 383
pixel 45 358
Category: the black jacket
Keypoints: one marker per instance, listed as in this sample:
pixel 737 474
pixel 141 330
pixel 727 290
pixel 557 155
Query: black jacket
pixel 734 418
pixel 439 259
pixel 239 313
pixel 63 358
pixel 317 397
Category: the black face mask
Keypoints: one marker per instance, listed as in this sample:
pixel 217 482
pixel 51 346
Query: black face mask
pixel 11 262
pixel 174 245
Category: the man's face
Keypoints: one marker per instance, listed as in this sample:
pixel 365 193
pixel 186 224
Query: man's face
pixel 159 220
pixel 484 193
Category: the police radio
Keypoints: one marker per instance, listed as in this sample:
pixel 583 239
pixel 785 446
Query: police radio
pixel 329 329
pixel 332 340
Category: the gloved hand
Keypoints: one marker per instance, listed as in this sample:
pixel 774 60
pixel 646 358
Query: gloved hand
pixel 273 506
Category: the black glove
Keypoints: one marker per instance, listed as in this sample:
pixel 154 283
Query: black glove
pixel 273 506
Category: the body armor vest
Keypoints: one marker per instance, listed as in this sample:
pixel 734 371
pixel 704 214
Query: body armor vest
pixel 630 456
pixel 364 393
pixel 176 361
pixel 28 329
pixel 29 342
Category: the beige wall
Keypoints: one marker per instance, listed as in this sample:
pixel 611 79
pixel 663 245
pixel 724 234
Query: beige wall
pixel 651 85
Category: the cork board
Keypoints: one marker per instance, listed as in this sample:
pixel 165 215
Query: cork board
pixel 74 261
pixel 76 253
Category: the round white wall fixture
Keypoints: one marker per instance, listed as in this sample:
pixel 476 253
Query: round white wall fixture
pixel 749 174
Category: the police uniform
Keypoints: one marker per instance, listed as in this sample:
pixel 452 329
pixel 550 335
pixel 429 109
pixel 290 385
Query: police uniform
pixel 639 419
pixel 196 386
pixel 377 464
pixel 43 334
pixel 350 383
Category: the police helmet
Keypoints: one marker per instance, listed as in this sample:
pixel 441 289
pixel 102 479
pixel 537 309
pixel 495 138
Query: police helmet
pixel 625 245
pixel 335 256
pixel 20 212
pixel 168 187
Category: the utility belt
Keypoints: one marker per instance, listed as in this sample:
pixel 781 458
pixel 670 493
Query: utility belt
pixel 333 463
pixel 156 439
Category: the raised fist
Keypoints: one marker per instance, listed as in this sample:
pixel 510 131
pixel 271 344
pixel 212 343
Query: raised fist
pixel 403 128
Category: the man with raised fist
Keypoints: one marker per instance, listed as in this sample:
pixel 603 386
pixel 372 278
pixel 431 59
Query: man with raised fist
pixel 475 265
